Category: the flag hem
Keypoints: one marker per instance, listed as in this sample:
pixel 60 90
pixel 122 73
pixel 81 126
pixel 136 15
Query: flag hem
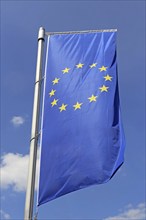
pixel 42 117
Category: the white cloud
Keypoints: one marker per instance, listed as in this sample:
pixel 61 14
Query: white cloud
pixel 4 215
pixel 17 120
pixel 14 171
pixel 131 213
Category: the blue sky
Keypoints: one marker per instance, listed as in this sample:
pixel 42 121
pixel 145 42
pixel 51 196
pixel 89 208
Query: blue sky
pixel 124 195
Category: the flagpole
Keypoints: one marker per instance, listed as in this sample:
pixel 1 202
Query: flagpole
pixel 28 213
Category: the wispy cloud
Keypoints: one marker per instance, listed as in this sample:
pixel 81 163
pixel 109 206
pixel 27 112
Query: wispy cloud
pixel 14 171
pixel 4 215
pixel 17 120
pixel 131 213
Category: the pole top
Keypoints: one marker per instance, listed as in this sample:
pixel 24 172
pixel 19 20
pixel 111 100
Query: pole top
pixel 41 34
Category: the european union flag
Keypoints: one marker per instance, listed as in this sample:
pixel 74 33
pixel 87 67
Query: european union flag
pixel 82 141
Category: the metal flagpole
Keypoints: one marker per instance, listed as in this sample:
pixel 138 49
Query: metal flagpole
pixel 34 132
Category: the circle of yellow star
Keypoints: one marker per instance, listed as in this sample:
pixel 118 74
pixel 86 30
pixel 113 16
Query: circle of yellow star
pixel 107 77
pixel 80 65
pixel 77 106
pixel 55 81
pixel 52 93
pixel 66 70
pixel 92 98
pixel 54 102
pixel 104 88
pixel 62 107
pixel 103 68
pixel 93 65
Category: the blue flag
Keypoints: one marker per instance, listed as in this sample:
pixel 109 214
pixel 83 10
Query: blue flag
pixel 82 141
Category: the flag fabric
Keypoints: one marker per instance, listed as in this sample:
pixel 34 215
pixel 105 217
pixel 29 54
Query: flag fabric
pixel 82 139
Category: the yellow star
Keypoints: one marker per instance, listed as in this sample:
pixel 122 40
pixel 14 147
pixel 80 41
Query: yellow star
pixel 107 77
pixel 55 81
pixel 104 88
pixel 52 92
pixel 66 70
pixel 62 108
pixel 92 98
pixel 93 65
pixel 80 65
pixel 77 106
pixel 54 102
pixel 103 68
